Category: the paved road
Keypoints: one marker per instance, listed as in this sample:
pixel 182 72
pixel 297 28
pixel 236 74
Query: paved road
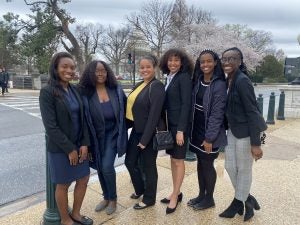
pixel 22 165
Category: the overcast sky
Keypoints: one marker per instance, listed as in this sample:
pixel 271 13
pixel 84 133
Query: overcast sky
pixel 280 17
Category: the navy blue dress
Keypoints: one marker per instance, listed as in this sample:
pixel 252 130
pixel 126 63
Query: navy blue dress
pixel 61 171
pixel 198 131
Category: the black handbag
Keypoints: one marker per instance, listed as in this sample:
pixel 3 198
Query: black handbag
pixel 163 140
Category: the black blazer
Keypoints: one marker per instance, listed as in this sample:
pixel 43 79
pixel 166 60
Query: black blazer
pixel 57 121
pixel 244 118
pixel 147 109
pixel 178 101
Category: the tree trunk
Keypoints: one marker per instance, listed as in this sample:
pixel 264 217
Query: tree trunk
pixel 76 50
pixel 117 67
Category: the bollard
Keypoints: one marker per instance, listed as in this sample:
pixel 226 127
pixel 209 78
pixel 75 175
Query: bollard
pixel 51 214
pixel 280 115
pixel 271 110
pixel 190 156
pixel 260 103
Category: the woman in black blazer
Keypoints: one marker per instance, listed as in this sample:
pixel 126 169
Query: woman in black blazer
pixel 66 137
pixel 177 65
pixel 143 111
pixel 245 126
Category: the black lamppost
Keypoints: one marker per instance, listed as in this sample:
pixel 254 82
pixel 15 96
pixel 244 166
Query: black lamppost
pixel 131 61
pixel 51 215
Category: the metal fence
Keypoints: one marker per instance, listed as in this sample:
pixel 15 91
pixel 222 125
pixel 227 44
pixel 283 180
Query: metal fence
pixel 29 81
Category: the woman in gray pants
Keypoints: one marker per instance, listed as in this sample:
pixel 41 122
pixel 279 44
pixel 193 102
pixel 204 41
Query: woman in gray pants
pixel 245 126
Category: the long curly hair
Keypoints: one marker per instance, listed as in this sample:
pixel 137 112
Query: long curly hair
pixel 218 70
pixel 88 80
pixel 54 79
pixel 186 62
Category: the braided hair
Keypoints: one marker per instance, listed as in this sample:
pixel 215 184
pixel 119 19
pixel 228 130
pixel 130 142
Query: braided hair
pixel 218 70
pixel 243 66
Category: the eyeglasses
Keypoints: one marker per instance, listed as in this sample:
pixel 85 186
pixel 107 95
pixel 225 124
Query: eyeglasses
pixel 228 59
pixel 102 71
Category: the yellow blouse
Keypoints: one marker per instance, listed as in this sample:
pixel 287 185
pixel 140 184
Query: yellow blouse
pixel 131 99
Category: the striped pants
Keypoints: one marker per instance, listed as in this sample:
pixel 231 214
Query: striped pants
pixel 238 164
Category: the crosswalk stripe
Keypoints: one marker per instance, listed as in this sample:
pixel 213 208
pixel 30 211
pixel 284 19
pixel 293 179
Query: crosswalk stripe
pixel 23 103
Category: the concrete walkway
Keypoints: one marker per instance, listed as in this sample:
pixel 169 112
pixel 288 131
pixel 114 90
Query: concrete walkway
pixel 276 185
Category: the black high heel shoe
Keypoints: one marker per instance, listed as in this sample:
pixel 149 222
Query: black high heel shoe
pixel 167 201
pixel 235 207
pixel 171 210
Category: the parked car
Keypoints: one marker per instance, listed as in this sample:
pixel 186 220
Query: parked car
pixel 296 81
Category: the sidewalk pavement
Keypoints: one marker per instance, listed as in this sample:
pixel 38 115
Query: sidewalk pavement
pixel 276 185
pixel 14 91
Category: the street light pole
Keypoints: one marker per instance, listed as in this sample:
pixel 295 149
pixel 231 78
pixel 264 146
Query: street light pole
pixel 133 60
pixel 51 215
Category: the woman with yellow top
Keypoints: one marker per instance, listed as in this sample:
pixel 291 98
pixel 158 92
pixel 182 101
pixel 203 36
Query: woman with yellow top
pixel 143 111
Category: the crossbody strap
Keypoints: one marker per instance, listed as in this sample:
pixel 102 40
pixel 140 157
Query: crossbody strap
pixel 165 110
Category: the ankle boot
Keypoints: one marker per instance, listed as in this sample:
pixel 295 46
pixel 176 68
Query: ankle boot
pixel 249 205
pixel 254 201
pixel 235 207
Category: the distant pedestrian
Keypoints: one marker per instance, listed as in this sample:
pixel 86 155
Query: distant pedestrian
pixel 6 79
pixel 104 101
pixel 67 137
pixel 178 66
pixel 143 112
pixel 208 129
pixel 2 81
pixel 245 126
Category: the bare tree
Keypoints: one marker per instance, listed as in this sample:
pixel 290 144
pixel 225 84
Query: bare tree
pixel 154 22
pixel 89 39
pixel 259 40
pixel 114 45
pixel 184 17
pixel 65 20
pixel 180 19
pixel 202 16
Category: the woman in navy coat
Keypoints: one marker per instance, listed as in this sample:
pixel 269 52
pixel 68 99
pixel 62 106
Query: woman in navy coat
pixel 104 102
pixel 208 129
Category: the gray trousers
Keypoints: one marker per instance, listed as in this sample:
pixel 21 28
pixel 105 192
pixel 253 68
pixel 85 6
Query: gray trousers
pixel 238 164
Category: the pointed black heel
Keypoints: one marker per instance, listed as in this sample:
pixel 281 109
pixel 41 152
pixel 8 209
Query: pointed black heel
pixel 167 201
pixel 171 210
